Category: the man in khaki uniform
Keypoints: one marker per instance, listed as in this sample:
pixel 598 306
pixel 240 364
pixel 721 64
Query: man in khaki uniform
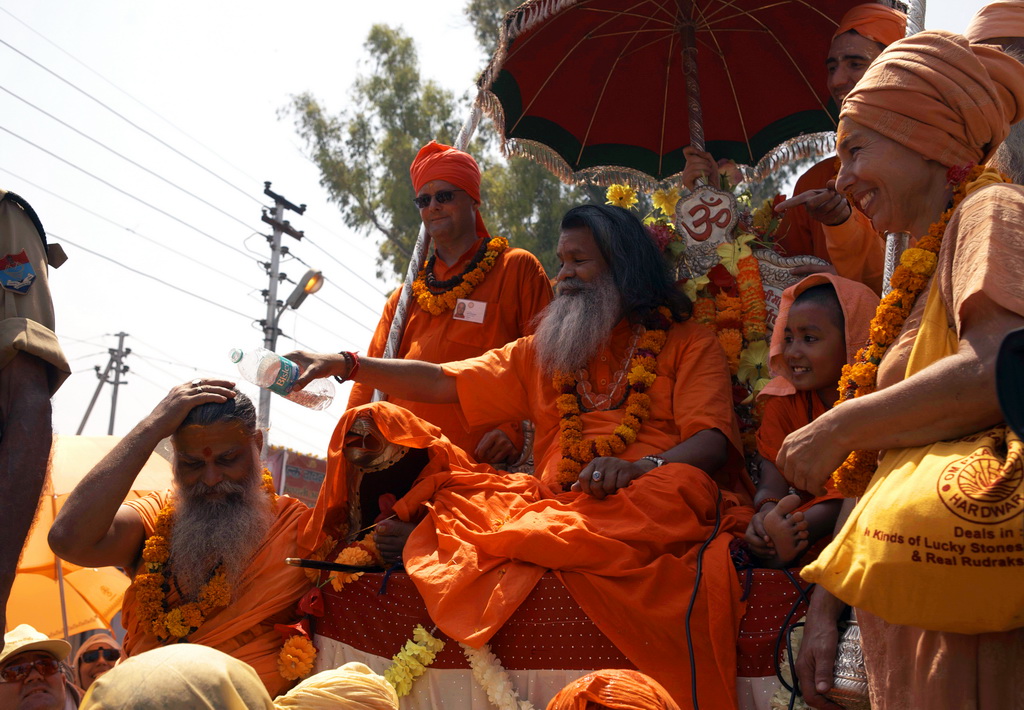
pixel 32 367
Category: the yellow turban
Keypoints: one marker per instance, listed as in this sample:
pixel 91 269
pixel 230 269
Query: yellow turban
pixel 940 96
pixel 351 687
pixel 1004 18
pixel 184 675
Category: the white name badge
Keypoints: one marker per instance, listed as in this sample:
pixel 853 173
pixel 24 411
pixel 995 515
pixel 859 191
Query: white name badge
pixel 473 311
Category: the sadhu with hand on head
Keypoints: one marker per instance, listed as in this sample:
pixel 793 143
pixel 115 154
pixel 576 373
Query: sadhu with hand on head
pixel 635 472
pixel 474 293
pixel 819 220
pixel 207 557
pixel 914 136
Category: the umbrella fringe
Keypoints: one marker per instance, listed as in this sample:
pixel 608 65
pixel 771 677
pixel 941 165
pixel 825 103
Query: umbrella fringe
pixel 812 145
pixel 518 21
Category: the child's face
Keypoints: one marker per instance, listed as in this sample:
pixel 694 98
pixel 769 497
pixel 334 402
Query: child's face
pixel 815 348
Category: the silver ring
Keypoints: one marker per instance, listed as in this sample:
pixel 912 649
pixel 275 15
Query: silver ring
pixel 197 382
pixel 596 475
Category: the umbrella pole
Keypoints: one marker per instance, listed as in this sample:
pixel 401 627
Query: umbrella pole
pixel 419 257
pixel 60 579
pixel 688 33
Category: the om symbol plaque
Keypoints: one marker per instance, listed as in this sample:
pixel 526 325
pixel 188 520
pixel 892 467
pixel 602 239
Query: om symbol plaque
pixel 706 219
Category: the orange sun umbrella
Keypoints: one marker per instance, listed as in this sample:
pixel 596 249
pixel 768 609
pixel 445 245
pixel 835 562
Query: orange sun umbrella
pixel 92 597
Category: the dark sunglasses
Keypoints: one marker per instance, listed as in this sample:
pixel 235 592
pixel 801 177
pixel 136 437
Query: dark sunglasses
pixel 442 196
pixel 109 654
pixel 20 671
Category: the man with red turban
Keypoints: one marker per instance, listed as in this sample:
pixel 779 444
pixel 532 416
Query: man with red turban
pixel 497 290
pixel 818 219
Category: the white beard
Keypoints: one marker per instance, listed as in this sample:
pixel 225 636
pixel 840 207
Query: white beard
pixel 209 533
pixel 575 325
pixel 1009 156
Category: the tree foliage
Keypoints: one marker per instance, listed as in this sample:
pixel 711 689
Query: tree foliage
pixel 364 152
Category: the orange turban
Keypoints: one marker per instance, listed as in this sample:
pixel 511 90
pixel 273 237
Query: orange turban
pixel 437 161
pixel 615 690
pixel 940 96
pixel 1004 18
pixel 875 22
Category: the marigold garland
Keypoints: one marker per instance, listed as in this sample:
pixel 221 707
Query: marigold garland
pixel 296 657
pixel 151 586
pixel 751 289
pixel 411 662
pixel 577 452
pixel 436 302
pixel 363 553
pixel 909 278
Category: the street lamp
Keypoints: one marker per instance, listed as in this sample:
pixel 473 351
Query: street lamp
pixel 311 282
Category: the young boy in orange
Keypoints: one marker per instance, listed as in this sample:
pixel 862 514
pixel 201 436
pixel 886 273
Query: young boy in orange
pixel 823 321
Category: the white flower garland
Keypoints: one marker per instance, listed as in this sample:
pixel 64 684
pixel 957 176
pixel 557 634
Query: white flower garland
pixel 493 678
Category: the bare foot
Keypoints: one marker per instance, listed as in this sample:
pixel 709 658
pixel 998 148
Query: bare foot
pixel 390 536
pixel 788 530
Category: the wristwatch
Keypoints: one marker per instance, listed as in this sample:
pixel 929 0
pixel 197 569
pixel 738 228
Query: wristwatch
pixel 658 461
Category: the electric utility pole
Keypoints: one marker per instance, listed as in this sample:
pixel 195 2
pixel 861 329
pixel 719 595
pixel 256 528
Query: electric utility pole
pixel 115 363
pixel 274 307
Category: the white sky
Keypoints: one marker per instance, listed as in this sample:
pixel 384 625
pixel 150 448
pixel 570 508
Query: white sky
pixel 215 75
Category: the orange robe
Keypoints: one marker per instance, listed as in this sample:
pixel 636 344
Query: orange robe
pixel 782 416
pixel 854 247
pixel 629 560
pixel 516 289
pixel 267 595
pixel 692 392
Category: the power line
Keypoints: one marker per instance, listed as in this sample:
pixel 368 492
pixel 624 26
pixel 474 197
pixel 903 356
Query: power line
pixel 374 311
pixel 130 122
pixel 130 96
pixel 155 242
pixel 149 276
pixel 125 192
pixel 346 267
pixel 126 158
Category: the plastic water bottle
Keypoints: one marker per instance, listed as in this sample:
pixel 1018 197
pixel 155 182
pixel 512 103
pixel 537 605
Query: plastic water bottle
pixel 275 373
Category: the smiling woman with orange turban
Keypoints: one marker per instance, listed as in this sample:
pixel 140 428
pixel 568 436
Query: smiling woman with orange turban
pixel 929 109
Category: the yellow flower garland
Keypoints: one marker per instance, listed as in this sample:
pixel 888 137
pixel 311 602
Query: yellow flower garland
pixel 577 452
pixel 411 662
pixel 908 281
pixel 437 303
pixel 152 585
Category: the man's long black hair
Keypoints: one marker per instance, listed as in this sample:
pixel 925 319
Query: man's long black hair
pixel 639 269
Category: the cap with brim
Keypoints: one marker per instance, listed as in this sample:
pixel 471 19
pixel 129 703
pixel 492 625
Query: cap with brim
pixel 24 638
pixel 1010 379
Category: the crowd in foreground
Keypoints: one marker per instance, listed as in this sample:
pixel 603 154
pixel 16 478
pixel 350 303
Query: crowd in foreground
pixel 639 498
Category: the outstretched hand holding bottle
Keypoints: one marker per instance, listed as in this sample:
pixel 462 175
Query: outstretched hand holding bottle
pixel 278 374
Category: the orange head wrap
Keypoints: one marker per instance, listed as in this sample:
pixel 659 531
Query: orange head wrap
pixel 1004 18
pixel 941 97
pixel 437 161
pixel 876 22
pixel 858 303
pixel 615 690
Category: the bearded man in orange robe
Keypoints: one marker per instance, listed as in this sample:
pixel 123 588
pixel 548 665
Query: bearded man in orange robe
pixel 637 455
pixel 474 293
pixel 225 531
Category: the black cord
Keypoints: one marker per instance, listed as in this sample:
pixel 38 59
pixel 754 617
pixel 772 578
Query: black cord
pixel 693 596
pixel 784 633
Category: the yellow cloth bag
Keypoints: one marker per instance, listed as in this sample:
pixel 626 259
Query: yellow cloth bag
pixel 937 540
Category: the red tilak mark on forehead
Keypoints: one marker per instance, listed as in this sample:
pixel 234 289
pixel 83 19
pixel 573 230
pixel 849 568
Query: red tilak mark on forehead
pixel 208 452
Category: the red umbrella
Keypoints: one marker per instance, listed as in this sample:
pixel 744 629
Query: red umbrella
pixel 598 87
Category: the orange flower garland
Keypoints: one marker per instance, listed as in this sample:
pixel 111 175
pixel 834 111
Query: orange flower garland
pixel 748 281
pixel 437 302
pixel 908 281
pixel 704 311
pixel 296 657
pixel 151 586
pixel 577 452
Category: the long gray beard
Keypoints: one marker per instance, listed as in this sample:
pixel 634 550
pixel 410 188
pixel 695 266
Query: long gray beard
pixel 210 533
pixel 1009 156
pixel 577 323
